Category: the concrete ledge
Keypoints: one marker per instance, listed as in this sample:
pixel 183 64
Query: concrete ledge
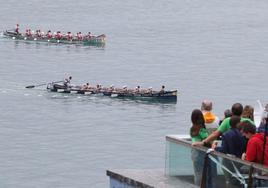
pixel 152 178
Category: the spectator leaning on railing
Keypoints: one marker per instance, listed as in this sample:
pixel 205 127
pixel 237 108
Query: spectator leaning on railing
pixel 237 109
pixel 254 151
pixel 233 141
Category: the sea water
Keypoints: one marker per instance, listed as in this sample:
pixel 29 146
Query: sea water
pixel 213 50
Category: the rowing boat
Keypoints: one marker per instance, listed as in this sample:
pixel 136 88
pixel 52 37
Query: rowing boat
pixel 95 41
pixel 117 93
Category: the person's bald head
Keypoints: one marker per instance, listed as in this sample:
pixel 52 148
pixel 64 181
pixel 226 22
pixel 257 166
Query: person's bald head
pixel 206 105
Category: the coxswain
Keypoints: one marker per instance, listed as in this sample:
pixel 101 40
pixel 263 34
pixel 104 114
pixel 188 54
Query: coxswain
pixel 67 81
pixel 17 28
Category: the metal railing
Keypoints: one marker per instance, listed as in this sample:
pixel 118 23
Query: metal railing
pixel 218 169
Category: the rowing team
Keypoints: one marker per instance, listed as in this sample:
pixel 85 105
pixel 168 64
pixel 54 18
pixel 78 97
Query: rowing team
pixel 57 35
pixel 124 89
pixel 99 88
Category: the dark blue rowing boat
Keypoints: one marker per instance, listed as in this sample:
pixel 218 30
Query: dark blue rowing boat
pixel 118 93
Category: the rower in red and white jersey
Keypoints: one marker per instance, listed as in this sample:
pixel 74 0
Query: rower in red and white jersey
pixel 89 35
pixel 58 35
pixel 69 35
pixel 38 33
pixel 79 36
pixel 28 32
pixel 49 34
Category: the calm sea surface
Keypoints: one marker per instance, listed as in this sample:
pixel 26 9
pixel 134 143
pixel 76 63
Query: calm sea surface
pixel 205 49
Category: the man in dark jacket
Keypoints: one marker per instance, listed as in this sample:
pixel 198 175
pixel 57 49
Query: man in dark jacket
pixel 233 143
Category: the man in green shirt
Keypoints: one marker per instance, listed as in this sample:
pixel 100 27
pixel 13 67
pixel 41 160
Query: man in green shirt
pixel 237 110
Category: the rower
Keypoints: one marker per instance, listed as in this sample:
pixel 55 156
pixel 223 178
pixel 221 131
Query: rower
pixel 137 89
pixel 89 35
pixel 150 90
pixel 38 33
pixel 49 34
pixel 79 36
pixel 124 88
pixel 111 88
pixel 58 35
pixel 99 87
pixel 86 86
pixel 17 28
pixel 28 33
pixel 162 89
pixel 69 35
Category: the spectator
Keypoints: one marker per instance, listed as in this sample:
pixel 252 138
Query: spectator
pixel 198 133
pixel 233 141
pixel 248 112
pixel 227 113
pixel 254 152
pixel 211 121
pixel 261 128
pixel 237 109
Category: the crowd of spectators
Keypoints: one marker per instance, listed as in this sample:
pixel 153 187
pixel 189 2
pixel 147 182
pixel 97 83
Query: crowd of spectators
pixel 238 134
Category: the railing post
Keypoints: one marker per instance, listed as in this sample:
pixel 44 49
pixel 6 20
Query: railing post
pixel 204 173
pixel 250 179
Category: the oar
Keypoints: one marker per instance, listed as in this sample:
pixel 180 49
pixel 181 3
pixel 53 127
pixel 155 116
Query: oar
pixel 33 86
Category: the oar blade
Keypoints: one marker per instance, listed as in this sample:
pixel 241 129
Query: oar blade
pixel 32 86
